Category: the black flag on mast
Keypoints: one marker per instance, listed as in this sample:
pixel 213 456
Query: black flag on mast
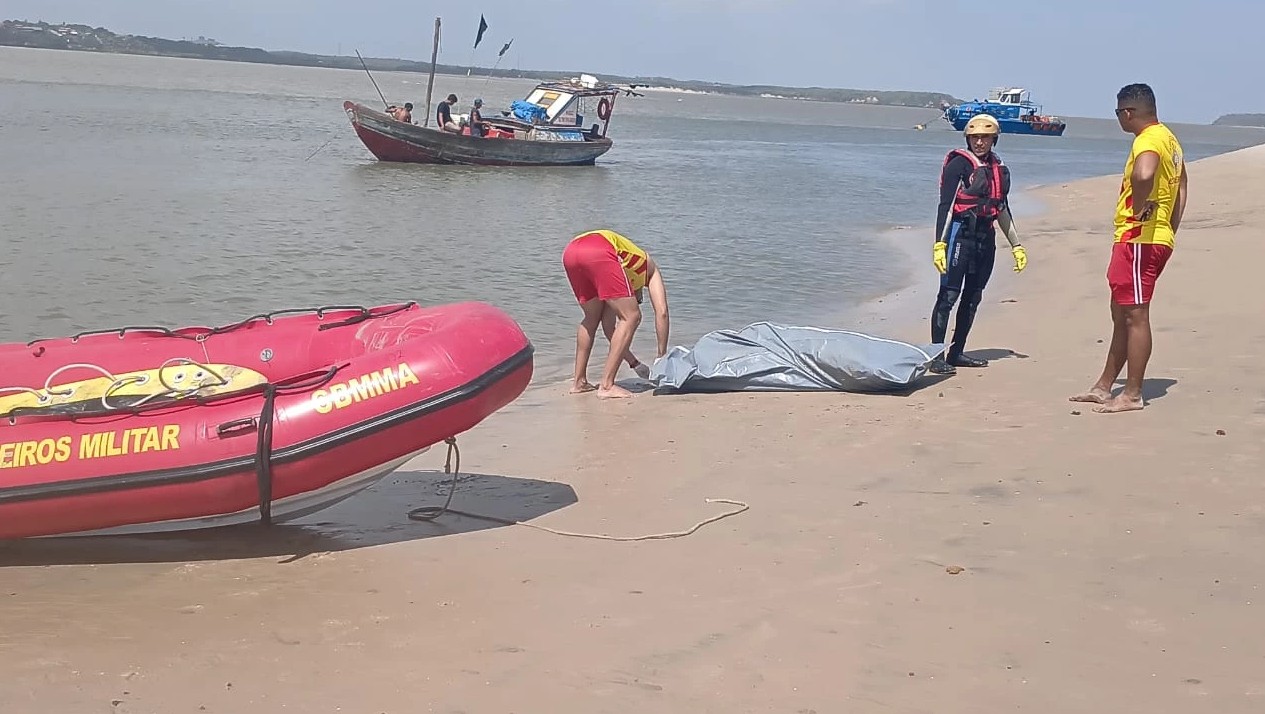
pixel 505 49
pixel 483 27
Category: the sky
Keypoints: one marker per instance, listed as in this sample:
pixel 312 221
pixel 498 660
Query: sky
pixel 1072 54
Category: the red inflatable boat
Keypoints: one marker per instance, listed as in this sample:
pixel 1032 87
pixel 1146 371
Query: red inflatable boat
pixel 277 416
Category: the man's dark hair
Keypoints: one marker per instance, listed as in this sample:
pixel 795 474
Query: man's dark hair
pixel 1139 94
pixel 452 97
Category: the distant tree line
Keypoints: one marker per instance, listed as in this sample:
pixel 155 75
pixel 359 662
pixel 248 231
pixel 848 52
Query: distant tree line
pixel 18 33
pixel 1241 120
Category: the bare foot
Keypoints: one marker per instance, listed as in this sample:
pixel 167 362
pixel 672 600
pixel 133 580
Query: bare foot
pixel 1120 404
pixel 642 371
pixel 582 387
pixel 615 392
pixel 1095 396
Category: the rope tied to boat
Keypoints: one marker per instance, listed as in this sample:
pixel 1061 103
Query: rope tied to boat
pixel 430 513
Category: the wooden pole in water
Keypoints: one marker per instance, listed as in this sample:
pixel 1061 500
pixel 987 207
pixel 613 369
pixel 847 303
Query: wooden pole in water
pixel 430 83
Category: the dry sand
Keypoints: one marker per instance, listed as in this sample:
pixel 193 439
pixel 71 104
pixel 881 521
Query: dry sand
pixel 1110 563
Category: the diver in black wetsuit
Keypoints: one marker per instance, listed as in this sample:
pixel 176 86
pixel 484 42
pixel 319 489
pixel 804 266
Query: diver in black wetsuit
pixel 974 186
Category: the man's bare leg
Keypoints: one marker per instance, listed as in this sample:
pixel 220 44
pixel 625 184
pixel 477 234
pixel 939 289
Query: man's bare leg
pixel 1117 354
pixel 1138 324
pixel 608 326
pixel 584 335
pixel 628 315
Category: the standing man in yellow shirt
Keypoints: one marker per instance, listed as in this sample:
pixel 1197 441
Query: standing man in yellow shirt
pixel 1148 213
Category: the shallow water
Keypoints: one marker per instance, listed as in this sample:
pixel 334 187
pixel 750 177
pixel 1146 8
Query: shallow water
pixel 142 190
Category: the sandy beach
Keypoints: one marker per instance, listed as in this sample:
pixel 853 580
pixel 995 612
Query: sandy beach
pixel 979 545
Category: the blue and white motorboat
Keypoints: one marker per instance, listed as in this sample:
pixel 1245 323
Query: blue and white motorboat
pixel 1013 109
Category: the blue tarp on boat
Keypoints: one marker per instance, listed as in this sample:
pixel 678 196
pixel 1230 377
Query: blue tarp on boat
pixel 768 357
pixel 527 111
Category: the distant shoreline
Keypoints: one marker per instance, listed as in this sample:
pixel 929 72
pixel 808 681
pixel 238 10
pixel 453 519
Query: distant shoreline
pixel 1241 121
pixel 41 35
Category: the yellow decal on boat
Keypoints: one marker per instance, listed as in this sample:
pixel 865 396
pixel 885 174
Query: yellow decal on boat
pixel 176 380
pixel 129 441
pixel 367 386
pixel 29 453
pixel 96 445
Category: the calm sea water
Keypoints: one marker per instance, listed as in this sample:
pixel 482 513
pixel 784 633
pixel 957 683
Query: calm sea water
pixel 141 190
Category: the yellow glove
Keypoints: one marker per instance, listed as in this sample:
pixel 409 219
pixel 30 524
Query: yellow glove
pixel 938 258
pixel 1021 258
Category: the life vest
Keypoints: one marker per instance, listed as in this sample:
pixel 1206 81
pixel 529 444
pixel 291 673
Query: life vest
pixel 984 194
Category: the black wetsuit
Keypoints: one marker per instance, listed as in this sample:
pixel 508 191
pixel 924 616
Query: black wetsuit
pixel 970 253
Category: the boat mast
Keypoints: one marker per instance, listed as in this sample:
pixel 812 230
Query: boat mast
pixel 385 103
pixel 430 83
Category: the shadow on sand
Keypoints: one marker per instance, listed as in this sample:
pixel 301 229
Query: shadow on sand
pixel 992 355
pixel 1153 388
pixel 375 516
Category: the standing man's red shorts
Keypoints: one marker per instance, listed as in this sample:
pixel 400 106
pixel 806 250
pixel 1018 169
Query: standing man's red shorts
pixel 594 269
pixel 1134 269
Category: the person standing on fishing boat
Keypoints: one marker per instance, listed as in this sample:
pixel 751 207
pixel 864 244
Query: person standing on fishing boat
pixel 477 128
pixel 974 190
pixel 607 273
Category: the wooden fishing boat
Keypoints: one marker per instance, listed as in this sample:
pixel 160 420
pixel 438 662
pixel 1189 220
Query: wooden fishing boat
pixel 272 418
pixel 547 128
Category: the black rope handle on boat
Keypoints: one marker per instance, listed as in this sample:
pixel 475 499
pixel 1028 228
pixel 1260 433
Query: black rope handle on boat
pixel 365 313
pixel 263 455
pixel 304 382
pixel 164 331
pixel 263 445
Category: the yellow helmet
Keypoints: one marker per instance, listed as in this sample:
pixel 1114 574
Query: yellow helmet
pixel 982 124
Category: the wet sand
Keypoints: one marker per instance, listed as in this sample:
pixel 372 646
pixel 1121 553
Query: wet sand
pixel 1107 562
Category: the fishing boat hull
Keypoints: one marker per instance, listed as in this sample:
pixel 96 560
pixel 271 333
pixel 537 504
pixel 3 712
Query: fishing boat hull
pixel 313 406
pixel 1018 126
pixel 395 141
